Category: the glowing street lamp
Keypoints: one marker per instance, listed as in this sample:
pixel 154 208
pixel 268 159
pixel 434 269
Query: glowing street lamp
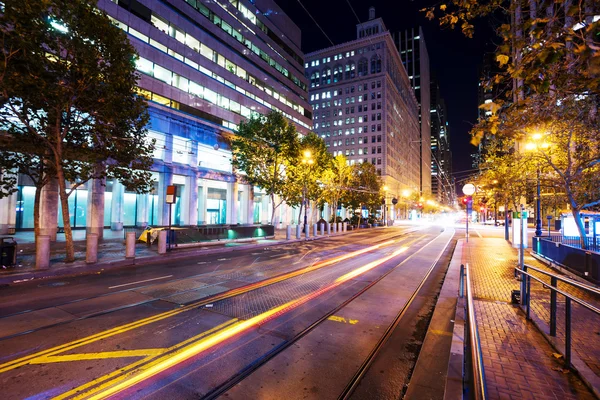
pixel 534 146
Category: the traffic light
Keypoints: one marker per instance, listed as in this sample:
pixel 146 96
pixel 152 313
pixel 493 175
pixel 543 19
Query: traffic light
pixel 420 205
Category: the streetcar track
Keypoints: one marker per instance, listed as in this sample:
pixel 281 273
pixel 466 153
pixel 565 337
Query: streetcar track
pixel 58 305
pixel 195 304
pixel 258 363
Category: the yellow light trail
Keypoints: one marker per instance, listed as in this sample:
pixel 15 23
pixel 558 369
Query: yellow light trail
pixel 10 365
pixel 170 360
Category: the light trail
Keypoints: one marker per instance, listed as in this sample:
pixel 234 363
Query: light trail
pixel 170 360
pixel 134 283
pixel 19 362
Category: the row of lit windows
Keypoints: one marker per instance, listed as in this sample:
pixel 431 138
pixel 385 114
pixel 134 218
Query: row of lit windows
pixel 209 53
pixel 202 9
pixel 202 49
pixel 362 50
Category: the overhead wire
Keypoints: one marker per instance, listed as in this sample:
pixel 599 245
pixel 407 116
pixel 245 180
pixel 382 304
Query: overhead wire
pixel 316 23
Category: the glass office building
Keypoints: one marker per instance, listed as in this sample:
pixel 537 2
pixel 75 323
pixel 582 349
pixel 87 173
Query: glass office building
pixel 204 66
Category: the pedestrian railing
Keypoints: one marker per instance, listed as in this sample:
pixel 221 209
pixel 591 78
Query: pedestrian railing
pixel 591 242
pixel 477 370
pixel 526 278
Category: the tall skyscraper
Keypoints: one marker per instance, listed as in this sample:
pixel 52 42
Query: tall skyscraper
pixel 413 51
pixel 442 184
pixel 364 106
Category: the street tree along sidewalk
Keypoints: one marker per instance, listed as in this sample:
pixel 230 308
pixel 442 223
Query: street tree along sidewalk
pixel 69 107
pixel 549 64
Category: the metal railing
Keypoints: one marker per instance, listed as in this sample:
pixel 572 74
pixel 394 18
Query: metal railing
pixel 477 369
pixel 526 301
pixel 591 242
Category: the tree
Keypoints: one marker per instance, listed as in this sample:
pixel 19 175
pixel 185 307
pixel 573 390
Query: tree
pixel 365 189
pixel 68 83
pixel 336 181
pixel 264 149
pixel 550 53
pixel 310 175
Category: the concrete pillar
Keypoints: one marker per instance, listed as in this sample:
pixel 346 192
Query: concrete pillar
pixel 202 196
pixel 329 229
pixel 143 210
pixel 314 230
pixel 338 227
pixel 345 226
pixel 232 203
pixel 42 252
pixel 192 194
pixel 288 232
pixel 306 231
pixel 91 248
pixel 164 179
pixel 49 210
pixel 298 231
pixel 162 242
pixel 333 227
pixel 116 214
pixel 95 207
pixel 322 228
pixel 266 215
pixel 130 245
pixel 250 205
pixel 8 215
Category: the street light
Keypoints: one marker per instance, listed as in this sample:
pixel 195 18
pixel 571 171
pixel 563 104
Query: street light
pixel 306 160
pixel 533 146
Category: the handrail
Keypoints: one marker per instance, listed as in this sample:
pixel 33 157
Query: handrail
pixel 526 301
pixel 570 281
pixel 567 295
pixel 480 388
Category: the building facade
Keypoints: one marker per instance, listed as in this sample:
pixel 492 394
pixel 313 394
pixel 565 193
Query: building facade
pixel 205 66
pixel 364 107
pixel 442 183
pixel 413 51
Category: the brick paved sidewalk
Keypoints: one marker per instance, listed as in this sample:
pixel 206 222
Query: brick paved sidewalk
pixel 519 362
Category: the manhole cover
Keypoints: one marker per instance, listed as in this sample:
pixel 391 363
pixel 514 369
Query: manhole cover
pixel 53 284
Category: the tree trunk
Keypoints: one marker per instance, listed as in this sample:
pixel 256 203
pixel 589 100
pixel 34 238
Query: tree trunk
pixel 580 228
pixel 274 209
pixel 36 211
pixel 64 202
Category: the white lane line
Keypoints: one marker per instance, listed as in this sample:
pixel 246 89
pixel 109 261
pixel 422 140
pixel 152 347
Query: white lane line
pixel 477 232
pixel 133 283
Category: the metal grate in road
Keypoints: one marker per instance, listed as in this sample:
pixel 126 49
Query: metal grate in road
pixel 195 295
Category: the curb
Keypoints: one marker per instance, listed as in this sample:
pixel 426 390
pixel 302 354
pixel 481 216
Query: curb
pixel 81 268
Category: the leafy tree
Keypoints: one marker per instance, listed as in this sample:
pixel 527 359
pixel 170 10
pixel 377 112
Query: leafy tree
pixel 551 60
pixel 264 149
pixel 365 189
pixel 311 174
pixel 67 83
pixel 336 182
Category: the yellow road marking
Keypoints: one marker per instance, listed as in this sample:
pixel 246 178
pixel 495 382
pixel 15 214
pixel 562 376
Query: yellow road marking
pixel 440 333
pixel 131 367
pixel 342 319
pixel 98 356
pixel 10 365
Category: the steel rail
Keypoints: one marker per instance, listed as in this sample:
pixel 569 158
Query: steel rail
pixel 259 362
pixel 478 370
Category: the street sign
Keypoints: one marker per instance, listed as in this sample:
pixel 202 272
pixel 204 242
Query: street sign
pixel 468 189
pixel 171 194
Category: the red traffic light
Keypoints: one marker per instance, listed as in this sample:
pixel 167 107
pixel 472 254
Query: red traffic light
pixel 420 205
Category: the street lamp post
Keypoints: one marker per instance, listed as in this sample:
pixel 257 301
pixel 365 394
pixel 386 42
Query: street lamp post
pixel 306 160
pixel 538 210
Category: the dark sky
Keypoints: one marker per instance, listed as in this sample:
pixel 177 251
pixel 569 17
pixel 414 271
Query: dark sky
pixel 454 59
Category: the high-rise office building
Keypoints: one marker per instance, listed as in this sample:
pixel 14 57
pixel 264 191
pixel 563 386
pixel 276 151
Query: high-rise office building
pixel 205 66
pixel 442 184
pixel 413 51
pixel 364 107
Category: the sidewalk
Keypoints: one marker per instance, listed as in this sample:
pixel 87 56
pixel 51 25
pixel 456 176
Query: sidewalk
pixel 519 362
pixel 111 254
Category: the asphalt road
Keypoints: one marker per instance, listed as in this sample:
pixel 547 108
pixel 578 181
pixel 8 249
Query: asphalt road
pixel 292 321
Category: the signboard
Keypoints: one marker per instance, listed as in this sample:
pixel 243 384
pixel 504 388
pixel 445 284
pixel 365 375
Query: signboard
pixel 171 194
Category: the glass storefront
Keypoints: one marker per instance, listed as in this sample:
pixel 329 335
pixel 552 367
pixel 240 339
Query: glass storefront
pixel 216 206
pixel 25 200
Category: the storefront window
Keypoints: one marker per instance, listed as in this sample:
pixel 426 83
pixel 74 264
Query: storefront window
pixel 129 208
pixel 24 208
pixel 216 206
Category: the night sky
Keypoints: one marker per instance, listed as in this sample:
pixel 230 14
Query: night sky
pixel 455 60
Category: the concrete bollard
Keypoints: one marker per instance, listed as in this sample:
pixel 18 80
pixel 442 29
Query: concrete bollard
pixel 162 242
pixel 42 252
pixel 322 229
pixel 345 226
pixel 288 232
pixel 91 248
pixel 329 229
pixel 334 227
pixel 314 230
pixel 298 231
pixel 338 227
pixel 306 232
pixel 130 245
